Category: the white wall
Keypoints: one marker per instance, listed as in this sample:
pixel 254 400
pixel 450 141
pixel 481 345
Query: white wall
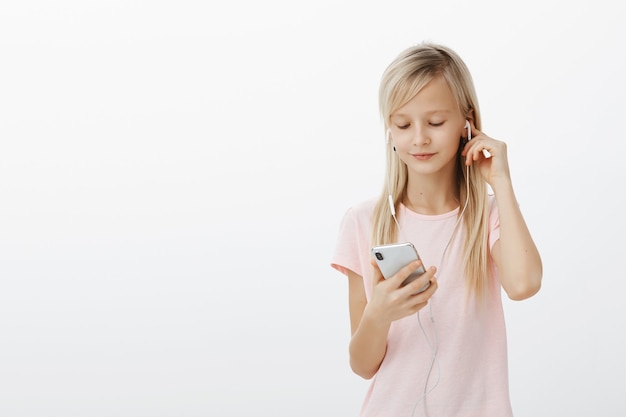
pixel 173 174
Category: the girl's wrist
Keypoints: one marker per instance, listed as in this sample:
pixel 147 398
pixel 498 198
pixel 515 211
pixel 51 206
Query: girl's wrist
pixel 375 318
pixel 500 185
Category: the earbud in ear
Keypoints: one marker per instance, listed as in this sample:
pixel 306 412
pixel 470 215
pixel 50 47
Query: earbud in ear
pixel 469 137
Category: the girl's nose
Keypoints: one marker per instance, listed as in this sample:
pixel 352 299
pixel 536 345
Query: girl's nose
pixel 420 137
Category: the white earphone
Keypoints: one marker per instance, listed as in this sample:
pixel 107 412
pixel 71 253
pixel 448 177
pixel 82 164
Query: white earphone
pixel 392 207
pixel 486 153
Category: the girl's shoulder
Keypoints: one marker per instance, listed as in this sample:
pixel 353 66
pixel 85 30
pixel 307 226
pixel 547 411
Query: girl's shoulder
pixel 358 217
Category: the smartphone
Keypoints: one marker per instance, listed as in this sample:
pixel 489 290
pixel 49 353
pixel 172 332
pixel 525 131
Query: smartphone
pixel 393 257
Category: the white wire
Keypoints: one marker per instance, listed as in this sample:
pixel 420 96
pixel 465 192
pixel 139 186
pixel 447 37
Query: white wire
pixel 433 347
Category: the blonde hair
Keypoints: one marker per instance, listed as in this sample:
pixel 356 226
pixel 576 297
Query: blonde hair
pixel 401 81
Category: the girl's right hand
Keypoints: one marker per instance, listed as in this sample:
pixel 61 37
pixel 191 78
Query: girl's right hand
pixel 390 301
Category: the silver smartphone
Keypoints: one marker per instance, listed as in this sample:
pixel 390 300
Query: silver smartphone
pixel 393 257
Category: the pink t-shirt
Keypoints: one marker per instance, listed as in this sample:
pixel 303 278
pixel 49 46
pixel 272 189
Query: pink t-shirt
pixel 470 374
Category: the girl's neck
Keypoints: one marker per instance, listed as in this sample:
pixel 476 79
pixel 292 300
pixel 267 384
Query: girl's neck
pixel 430 197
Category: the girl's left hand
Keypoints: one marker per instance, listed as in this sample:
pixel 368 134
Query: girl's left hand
pixel 492 168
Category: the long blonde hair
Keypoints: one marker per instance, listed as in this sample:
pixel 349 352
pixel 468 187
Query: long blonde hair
pixel 401 81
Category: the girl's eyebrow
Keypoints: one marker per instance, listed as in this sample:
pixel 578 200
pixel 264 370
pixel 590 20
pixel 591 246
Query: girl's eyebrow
pixel 426 113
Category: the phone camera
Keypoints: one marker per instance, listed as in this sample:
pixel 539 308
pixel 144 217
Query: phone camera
pixel 379 256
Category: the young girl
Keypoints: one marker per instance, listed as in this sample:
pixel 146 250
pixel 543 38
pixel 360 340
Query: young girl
pixel 440 352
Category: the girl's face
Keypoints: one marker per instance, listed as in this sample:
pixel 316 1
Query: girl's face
pixel 426 131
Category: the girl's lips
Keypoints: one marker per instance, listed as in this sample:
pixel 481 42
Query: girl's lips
pixel 423 156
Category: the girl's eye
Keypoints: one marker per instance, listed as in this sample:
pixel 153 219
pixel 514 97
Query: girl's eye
pixel 437 124
pixel 403 127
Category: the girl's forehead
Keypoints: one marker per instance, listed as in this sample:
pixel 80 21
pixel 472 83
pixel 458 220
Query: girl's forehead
pixel 434 97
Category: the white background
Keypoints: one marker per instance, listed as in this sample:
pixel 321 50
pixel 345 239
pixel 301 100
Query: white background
pixel 173 174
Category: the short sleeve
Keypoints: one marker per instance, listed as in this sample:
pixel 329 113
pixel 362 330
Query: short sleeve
pixel 346 255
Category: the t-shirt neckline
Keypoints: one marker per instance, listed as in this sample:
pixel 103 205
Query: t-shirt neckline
pixel 408 212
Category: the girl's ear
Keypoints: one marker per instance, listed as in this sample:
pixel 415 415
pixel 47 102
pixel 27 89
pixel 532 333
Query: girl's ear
pixel 466 134
pixel 470 116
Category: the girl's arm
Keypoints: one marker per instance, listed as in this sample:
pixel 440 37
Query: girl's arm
pixel 515 254
pixel 369 334
pixel 370 322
